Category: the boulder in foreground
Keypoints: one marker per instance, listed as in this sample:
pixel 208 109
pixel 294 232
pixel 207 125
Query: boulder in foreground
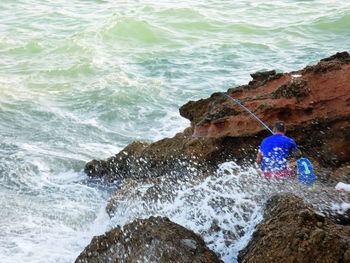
pixel 156 239
pixel 291 232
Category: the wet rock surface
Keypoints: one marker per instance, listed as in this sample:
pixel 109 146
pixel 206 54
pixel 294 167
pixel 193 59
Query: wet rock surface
pixel 155 239
pixel 314 103
pixel 293 232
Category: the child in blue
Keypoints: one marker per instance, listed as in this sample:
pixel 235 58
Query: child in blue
pixel 304 169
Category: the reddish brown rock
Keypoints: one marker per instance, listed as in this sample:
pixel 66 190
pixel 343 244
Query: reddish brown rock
pixel 155 239
pixel 314 102
pixel 318 92
pixel 291 232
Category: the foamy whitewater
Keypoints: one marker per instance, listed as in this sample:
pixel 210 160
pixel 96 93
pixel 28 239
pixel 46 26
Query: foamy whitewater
pixel 79 80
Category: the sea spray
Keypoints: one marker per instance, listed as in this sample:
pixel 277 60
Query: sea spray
pixel 223 207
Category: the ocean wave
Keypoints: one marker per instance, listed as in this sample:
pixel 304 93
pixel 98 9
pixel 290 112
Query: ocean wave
pixel 332 24
pixel 132 30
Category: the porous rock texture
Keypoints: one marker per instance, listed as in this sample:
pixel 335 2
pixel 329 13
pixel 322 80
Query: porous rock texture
pixel 314 103
pixel 155 239
pixel 291 232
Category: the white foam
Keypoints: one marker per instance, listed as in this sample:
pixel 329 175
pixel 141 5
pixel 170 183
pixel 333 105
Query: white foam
pixel 342 187
pixel 341 208
pixel 54 224
pixel 225 200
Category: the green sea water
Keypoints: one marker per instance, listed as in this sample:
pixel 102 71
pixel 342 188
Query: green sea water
pixel 79 80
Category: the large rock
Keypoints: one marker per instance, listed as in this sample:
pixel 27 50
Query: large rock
pixel 292 232
pixel 155 239
pixel 314 102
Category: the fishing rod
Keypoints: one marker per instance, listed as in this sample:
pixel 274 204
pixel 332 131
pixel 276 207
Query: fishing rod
pixel 248 111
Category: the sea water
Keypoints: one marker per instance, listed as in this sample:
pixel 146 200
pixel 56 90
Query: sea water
pixel 79 80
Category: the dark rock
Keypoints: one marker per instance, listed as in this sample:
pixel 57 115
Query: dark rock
pixel 306 214
pixel 342 56
pixel 262 76
pixel 317 236
pixel 331 63
pixel 155 239
pixel 320 216
pixel 290 233
pixel 346 258
pixel 294 88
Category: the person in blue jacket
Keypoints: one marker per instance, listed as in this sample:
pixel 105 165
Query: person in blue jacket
pixel 273 153
pixel 303 168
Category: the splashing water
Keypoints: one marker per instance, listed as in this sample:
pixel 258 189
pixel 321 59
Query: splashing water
pixel 223 208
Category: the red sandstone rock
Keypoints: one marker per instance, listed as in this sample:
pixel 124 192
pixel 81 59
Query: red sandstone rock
pixel 320 92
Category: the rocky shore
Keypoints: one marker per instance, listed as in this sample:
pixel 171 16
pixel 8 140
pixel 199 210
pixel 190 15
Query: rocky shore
pixel 148 240
pixel 293 232
pixel 314 103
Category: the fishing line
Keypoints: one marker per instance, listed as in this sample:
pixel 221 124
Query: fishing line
pixel 248 111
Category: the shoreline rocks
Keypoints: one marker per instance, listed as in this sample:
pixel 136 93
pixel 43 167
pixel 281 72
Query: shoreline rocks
pixel 155 239
pixel 292 232
pixel 314 102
